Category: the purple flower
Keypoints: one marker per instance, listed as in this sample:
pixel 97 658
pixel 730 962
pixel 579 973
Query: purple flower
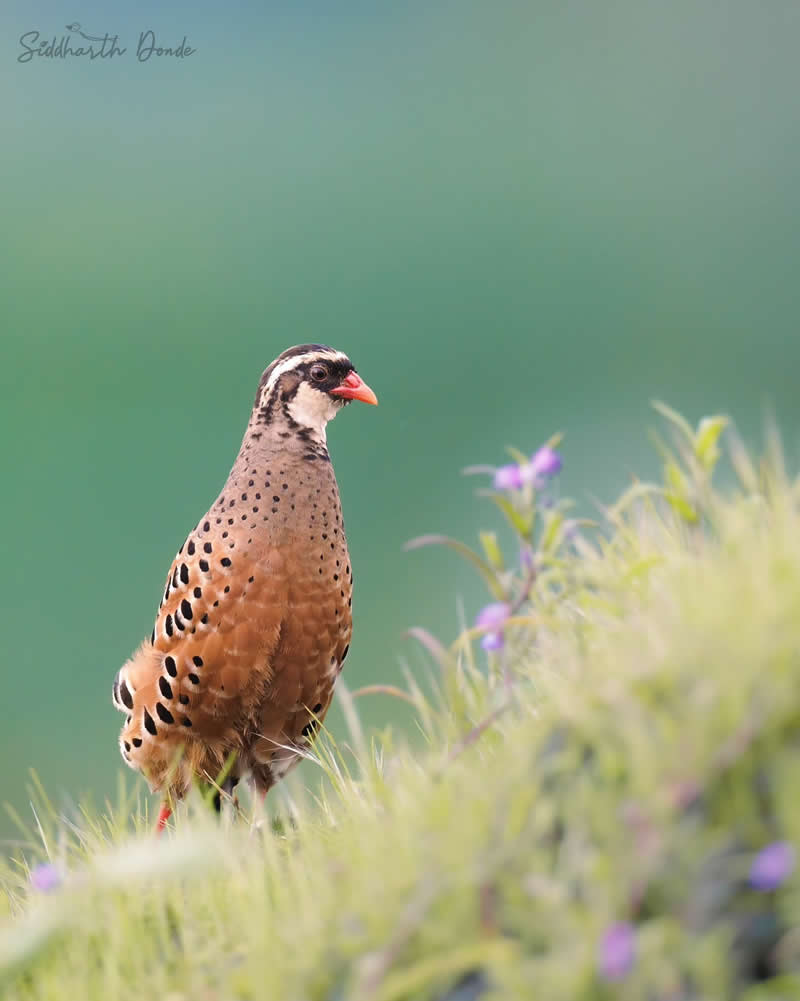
pixel 545 463
pixel 617 951
pixel 493 618
pixel 45 878
pixel 493 641
pixel 772 866
pixel 508 477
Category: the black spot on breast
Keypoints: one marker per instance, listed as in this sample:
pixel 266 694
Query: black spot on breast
pixel 153 636
pixel 184 573
pixel 317 708
pixel 179 623
pixel 309 729
pixel 164 713
pixel 204 566
pixel 183 699
pixel 197 661
pixel 225 561
pixel 172 670
pixel 168 625
pixel 207 547
pixel 125 695
pixel 190 547
pixel 194 679
pixel 206 526
pixel 126 745
pixel 198 592
pixel 345 651
pixel 164 685
pixel 186 609
pixel 186 721
pixel 137 741
pixel 175 578
pixel 149 723
pixel 204 620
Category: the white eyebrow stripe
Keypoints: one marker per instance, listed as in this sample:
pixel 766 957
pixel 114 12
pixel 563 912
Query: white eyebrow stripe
pixel 291 363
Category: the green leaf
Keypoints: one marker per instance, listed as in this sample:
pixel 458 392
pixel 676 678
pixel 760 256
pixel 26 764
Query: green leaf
pixel 463 550
pixel 674 477
pixel 682 506
pixel 492 549
pixel 677 421
pixel 519 457
pixel 705 443
pixel 552 531
pixel 521 522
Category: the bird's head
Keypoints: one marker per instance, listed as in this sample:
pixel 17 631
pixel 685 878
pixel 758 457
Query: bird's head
pixel 307 386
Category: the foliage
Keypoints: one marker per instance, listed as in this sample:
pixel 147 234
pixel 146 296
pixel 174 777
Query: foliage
pixel 604 805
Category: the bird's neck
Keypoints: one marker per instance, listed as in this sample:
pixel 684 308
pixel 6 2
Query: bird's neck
pixel 280 440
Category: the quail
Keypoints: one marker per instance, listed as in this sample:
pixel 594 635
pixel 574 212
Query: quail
pixel 255 620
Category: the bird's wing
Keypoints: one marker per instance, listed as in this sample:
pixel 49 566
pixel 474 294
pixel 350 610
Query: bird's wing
pixel 208 662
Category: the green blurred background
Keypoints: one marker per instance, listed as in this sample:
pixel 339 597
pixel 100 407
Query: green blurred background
pixel 515 217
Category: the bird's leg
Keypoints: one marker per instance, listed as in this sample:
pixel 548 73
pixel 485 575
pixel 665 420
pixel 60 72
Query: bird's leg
pixel 163 816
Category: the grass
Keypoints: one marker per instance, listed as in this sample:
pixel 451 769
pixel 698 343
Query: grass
pixel 622 759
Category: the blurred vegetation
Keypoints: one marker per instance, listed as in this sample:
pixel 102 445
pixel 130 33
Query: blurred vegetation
pixel 604 806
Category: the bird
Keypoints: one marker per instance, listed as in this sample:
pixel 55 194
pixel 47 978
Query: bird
pixel 255 620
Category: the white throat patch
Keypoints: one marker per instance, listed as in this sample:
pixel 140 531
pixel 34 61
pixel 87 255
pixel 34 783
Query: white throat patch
pixel 313 409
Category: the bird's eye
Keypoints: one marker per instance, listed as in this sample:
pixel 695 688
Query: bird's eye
pixel 318 373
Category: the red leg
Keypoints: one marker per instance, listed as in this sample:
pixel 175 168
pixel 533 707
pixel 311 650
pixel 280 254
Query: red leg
pixel 163 816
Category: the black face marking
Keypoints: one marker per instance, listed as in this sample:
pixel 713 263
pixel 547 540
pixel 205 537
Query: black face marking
pixel 172 670
pixel 149 723
pixel 197 661
pixel 186 609
pixel 125 695
pixel 164 685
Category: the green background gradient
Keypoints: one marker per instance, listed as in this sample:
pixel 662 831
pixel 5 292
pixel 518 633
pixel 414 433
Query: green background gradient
pixel 515 217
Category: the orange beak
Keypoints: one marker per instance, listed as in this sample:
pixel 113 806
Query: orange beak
pixel 354 388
